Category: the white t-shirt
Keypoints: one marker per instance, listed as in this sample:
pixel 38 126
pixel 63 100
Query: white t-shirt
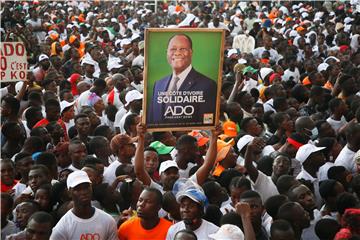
pixel 82 100
pixel 100 226
pixel 346 159
pixel 119 115
pixel 109 173
pixel 265 186
pixel 184 173
pixel 206 228
pixel 336 125
pixel 288 74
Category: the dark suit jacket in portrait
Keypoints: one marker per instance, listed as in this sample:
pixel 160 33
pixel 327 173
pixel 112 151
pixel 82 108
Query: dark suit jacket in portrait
pixel 195 84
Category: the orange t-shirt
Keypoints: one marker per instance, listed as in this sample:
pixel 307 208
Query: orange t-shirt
pixel 132 230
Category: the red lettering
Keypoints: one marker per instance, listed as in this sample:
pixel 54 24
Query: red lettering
pixel 90 236
pixel 3 64
pixel 8 49
pixel 13 75
pixel 20 49
pixel 22 74
pixel 2 75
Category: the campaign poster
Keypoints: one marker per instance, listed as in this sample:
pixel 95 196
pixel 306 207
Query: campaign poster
pixel 182 78
pixel 13 62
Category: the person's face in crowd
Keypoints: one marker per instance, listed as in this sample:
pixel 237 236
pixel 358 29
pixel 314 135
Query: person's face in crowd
pixel 169 177
pixel 267 42
pixel 257 112
pixel 335 70
pixel 42 197
pixel 128 150
pixel 38 231
pixel 147 205
pixel 81 194
pixel 189 151
pixel 326 130
pixel 23 166
pixel 93 175
pixel 256 207
pixel 151 161
pixel 69 113
pixel 179 53
pixel 94 119
pixel 37 116
pixel 317 159
pixel 189 209
pixel 23 212
pixel 77 152
pixel 168 139
pixel 235 193
pixel 89 69
pixel 247 101
pixel 99 106
pixel 63 159
pixel 230 159
pixel 303 217
pixel 254 128
pixel 37 177
pixel 281 165
pixel 184 236
pixel 305 197
pixel 7 173
pixel 319 80
pixel 58 132
pixel 45 64
pixel 64 174
pixel 136 105
pixel 287 124
pixel 83 125
pixel 44 134
pixel 283 235
pixel 52 113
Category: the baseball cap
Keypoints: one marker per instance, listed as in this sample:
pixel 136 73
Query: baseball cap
pixel 120 140
pixel 76 178
pixel 305 151
pixel 201 140
pixel 132 95
pixel 194 194
pixel 161 148
pixel 166 165
pixel 229 128
pixel 244 140
pixel 231 52
pixel 249 69
pixel 43 57
pixel 228 232
pixel 322 67
pixel 65 104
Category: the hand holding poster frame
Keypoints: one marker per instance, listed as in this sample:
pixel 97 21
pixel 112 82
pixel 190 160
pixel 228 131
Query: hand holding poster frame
pixel 182 78
pixel 13 62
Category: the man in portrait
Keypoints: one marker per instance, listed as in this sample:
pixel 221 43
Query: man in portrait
pixel 185 97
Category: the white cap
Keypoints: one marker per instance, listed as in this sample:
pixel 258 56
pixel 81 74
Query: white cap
pixel 319 15
pixel 135 36
pixel 114 64
pixel 265 72
pixel 242 61
pixel 295 7
pixel 166 165
pixel 305 151
pixel 231 52
pixel 293 33
pixel 132 95
pixel 348 20
pixel 43 57
pixel 243 141
pixel 18 86
pixel 322 67
pixel 65 104
pixel 124 42
pixel 76 178
pixel 331 57
pixel 88 60
pixel 114 20
pixel 228 232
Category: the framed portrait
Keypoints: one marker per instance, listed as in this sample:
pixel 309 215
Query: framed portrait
pixel 182 78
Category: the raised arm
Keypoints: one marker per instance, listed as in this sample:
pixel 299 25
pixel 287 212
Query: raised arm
pixel 203 172
pixel 239 84
pixel 243 209
pixel 252 152
pixel 140 171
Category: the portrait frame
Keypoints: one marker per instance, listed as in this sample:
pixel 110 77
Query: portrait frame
pixel 207 59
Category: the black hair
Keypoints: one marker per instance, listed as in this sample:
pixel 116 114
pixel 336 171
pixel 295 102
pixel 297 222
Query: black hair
pixel 100 83
pixel 280 225
pixel 8 128
pixel 213 214
pixel 47 159
pixel 120 170
pixel 327 188
pixel 36 132
pixel 187 231
pixel 226 177
pixel 62 93
pixel 279 102
pixel 328 143
pixel 34 205
pixel 31 112
pixel 285 211
pixel 96 143
pixel 238 182
pixel 90 160
pixel 231 218
pixel 273 203
pixel 35 96
pixel 110 112
pixel 326 228
pixel 355 184
pixel 13 103
pixel 101 130
pixel 185 140
pixel 52 103
pixel 346 200
pixel 265 165
pixel 129 120
pixel 80 115
pixel 278 118
pixel 334 103
pixel 245 123
pixel 284 183
pixel 250 194
pixel 210 188
pixel 299 93
pixel 41 167
pixel 42 217
pixel 335 171
pixel 20 156
pixel 184 35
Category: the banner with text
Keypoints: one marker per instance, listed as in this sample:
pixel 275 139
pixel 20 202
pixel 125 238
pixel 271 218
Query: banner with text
pixel 13 61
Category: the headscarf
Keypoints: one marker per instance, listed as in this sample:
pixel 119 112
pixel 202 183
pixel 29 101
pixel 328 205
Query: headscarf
pixel 92 99
pixel 73 78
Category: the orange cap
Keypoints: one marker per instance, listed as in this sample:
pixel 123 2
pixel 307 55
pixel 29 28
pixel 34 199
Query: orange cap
pixel 72 38
pixel 201 140
pixel 229 128
pixel 306 81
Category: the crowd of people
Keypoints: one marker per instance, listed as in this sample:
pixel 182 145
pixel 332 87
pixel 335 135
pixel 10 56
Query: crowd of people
pixel 283 163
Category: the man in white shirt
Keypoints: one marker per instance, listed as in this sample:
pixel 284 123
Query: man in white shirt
pixel 192 203
pixel 346 156
pixel 257 52
pixel 83 221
